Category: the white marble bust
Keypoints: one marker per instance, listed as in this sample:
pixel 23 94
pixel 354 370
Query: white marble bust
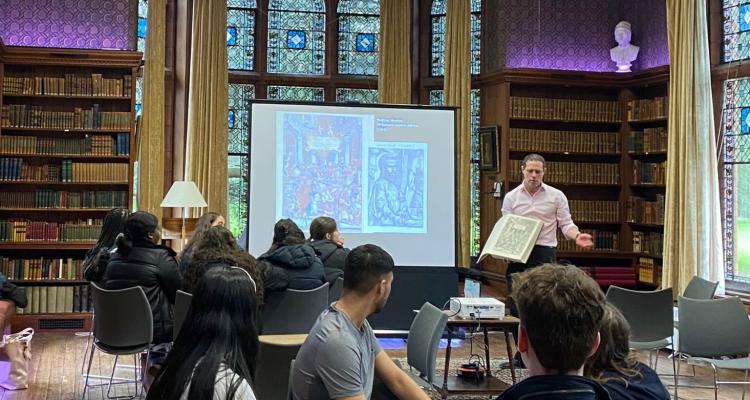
pixel 624 53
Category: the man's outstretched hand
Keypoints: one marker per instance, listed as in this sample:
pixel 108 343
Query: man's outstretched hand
pixel 585 240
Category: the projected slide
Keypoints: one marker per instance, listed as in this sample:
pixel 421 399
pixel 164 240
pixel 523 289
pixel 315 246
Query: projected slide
pixel 384 173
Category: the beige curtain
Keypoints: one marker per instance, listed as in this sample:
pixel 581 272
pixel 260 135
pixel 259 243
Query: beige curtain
pixel 692 222
pixel 206 149
pixel 151 149
pixel 394 78
pixel 457 86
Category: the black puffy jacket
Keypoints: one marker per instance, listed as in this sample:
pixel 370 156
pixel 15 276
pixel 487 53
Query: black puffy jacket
pixel 154 269
pixel 333 257
pixel 303 267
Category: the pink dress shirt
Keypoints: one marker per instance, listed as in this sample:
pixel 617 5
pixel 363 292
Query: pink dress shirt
pixel 548 205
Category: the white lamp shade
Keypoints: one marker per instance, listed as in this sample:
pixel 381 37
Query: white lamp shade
pixel 183 194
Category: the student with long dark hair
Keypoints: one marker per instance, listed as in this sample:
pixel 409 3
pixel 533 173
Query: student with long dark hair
pixel 328 243
pixel 205 222
pixel 616 368
pixel 215 357
pixel 294 254
pixel 140 261
pixel 96 259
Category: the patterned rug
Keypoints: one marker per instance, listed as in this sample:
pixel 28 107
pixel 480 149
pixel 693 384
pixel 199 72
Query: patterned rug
pixel 499 370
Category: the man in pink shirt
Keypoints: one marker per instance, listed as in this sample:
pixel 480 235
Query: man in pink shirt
pixel 535 199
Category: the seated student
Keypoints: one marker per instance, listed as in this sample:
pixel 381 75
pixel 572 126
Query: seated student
pixel 617 369
pixel 215 357
pixel 206 221
pixel 140 261
pixel 217 247
pixel 290 251
pixel 560 309
pixel 341 356
pixel 328 243
pixel 96 259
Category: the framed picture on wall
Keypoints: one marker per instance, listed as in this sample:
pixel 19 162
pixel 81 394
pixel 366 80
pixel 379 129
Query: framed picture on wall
pixel 488 148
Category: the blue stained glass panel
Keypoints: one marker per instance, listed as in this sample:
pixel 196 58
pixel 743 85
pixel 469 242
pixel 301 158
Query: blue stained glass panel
pixel 295 39
pixel 736 30
pixel 231 36
pixel 437 46
pixel 239 96
pixel 142 28
pixel 296 53
pixel 242 3
pixel 363 7
pixel 241 38
pixel 365 42
pixel 295 93
pixel 138 95
pixel 368 96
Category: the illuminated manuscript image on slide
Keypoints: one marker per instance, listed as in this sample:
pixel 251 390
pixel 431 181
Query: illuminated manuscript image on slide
pixel 396 186
pixel 320 164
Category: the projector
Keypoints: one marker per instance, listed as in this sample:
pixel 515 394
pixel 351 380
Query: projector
pixel 477 307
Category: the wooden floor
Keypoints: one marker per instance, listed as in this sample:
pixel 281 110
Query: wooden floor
pixel 55 372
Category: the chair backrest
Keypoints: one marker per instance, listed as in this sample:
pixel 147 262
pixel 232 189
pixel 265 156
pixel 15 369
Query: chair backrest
pixel 424 336
pixel 700 289
pixel 336 289
pixel 713 328
pixel 273 370
pixel 649 313
pixel 122 317
pixel 289 395
pixel 293 311
pixel 181 306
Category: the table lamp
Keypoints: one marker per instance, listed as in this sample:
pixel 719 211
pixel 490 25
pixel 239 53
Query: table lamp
pixel 183 194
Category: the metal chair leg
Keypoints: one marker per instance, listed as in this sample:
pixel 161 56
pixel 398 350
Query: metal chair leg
pixel 88 372
pixel 716 385
pixel 744 385
pixel 674 370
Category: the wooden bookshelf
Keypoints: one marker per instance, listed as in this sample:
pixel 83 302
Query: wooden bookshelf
pixel 68 117
pixel 595 130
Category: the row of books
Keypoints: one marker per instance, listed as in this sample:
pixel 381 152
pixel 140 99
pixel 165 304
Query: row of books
pixel 569 172
pixel 69 85
pixel 41 268
pixel 648 140
pixel 645 172
pixel 17 169
pixel 561 141
pixel 604 241
pixel 648 243
pixel 565 109
pixel 595 211
pixel 643 211
pixel 94 145
pixel 14 230
pixel 608 276
pixel 23 116
pixel 648 271
pixel 641 109
pixel 57 299
pixel 46 198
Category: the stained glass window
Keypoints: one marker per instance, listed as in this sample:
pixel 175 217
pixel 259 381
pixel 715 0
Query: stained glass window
pixel 359 27
pixel 296 93
pixel 138 95
pixel 142 25
pixel 736 149
pixel 296 36
pixel 241 34
pixel 736 30
pixel 437 48
pixel 437 99
pixel 239 96
pixel 369 96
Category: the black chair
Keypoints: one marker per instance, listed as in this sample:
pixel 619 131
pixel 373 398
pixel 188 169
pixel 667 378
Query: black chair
pixel 293 311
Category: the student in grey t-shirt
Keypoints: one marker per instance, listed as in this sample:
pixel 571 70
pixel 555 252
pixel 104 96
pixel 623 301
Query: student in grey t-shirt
pixel 341 355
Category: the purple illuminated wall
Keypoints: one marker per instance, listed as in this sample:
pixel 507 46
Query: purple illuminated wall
pixel 571 34
pixel 83 24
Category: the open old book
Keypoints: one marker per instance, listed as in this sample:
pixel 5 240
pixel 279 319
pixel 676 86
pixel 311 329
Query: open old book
pixel 512 238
